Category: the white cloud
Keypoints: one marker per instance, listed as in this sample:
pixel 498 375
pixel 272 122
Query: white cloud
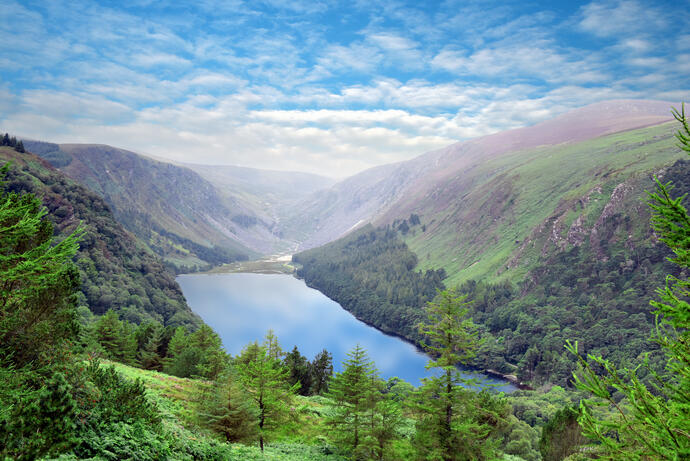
pixel 621 18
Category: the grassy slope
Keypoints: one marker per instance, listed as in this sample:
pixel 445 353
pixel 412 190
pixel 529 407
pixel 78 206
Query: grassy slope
pixel 298 440
pixel 485 216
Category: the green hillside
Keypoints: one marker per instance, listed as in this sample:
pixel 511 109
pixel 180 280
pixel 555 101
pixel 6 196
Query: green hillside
pixel 174 211
pixel 498 219
pixel 117 272
pixel 550 244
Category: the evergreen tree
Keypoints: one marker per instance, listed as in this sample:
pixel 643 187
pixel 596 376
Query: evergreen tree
pixel 561 436
pixel 150 355
pixel 649 423
pixel 299 370
pixel 321 372
pixel 37 280
pixel 266 381
pixel 453 423
pixel 213 359
pixel 272 346
pixel 350 392
pixel 229 411
pixel 116 338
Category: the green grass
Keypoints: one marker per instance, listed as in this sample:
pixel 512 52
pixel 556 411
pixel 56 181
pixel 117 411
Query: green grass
pixel 477 235
pixel 301 438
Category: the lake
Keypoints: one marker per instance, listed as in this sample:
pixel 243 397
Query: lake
pixel 242 307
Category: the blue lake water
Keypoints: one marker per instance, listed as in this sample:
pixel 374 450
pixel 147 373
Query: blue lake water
pixel 241 308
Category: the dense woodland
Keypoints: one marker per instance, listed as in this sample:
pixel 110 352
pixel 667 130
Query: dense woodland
pixel 371 274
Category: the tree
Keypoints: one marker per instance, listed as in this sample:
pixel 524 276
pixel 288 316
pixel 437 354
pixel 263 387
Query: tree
pixel 454 423
pixel 38 281
pixel 652 421
pixel 561 436
pixel 111 333
pixel 299 370
pixel 350 391
pixel 213 359
pixel 229 411
pixel 266 381
pixel 321 372
pixel 272 346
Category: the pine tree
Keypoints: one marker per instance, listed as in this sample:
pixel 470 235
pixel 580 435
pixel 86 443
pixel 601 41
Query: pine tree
pixel 452 421
pixel 229 411
pixel 213 359
pixel 43 424
pixel 150 354
pixel 299 370
pixel 266 381
pixel 38 282
pixel 272 346
pixel 650 422
pixel 321 372
pixel 350 392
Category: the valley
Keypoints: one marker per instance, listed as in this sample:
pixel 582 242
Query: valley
pixel 532 239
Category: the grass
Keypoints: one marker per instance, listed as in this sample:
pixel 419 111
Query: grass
pixel 301 438
pixel 512 196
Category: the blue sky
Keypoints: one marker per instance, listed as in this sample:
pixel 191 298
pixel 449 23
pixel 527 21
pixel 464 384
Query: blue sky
pixel 320 86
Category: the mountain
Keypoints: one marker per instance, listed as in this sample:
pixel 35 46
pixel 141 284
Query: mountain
pixel 544 228
pixel 273 195
pixel 177 213
pixel 385 193
pixel 117 272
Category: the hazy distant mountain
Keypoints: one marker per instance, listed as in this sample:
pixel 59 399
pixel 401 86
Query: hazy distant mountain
pixel 385 193
pixel 271 192
pixel 545 228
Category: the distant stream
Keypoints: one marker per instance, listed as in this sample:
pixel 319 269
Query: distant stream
pixel 241 307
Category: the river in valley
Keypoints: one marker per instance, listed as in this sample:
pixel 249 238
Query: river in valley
pixel 242 307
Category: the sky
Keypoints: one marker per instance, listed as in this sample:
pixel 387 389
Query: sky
pixel 325 87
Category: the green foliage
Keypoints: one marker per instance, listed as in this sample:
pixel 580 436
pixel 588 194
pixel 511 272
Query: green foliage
pixel 116 272
pixel 321 372
pixel 371 274
pixel 562 435
pixel 365 421
pixel 37 279
pixel 454 423
pixel 649 422
pixel 41 423
pixel 228 410
pixel 349 391
pixel 197 354
pixel 265 380
pixel 299 370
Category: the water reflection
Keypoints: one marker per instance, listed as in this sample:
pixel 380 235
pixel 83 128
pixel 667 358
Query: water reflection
pixel 242 307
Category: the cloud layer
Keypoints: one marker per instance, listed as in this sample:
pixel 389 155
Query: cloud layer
pixel 327 87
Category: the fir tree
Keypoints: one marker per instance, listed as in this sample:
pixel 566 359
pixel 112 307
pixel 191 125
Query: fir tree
pixel 229 411
pixel 37 280
pixel 350 392
pixel 266 381
pixel 453 422
pixel 299 370
pixel 321 372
